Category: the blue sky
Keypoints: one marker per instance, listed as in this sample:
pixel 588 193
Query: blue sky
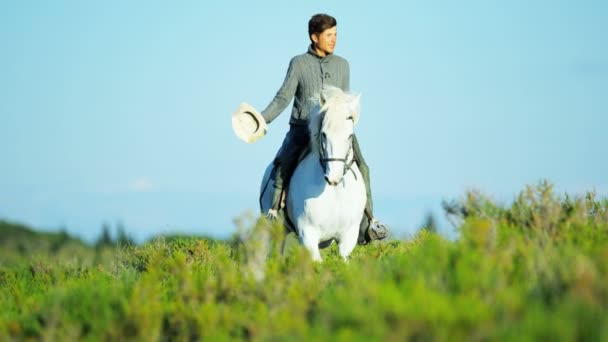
pixel 114 111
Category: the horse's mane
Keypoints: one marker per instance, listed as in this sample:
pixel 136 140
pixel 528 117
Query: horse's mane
pixel 322 118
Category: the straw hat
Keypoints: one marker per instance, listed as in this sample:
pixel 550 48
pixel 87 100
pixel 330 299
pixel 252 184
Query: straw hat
pixel 248 124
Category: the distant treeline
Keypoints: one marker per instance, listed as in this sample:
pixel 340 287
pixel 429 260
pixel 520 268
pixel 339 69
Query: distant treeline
pixel 19 242
pixel 19 238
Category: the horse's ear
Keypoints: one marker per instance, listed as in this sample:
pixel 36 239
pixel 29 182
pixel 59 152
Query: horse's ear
pixel 355 107
pixel 328 92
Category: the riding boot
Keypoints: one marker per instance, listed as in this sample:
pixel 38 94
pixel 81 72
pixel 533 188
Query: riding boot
pixel 370 228
pixel 273 212
pixel 286 160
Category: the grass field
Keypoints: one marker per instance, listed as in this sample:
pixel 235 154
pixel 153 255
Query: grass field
pixel 535 269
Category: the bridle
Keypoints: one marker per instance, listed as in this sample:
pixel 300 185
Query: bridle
pixel 349 158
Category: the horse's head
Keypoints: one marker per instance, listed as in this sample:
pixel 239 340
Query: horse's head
pixel 332 128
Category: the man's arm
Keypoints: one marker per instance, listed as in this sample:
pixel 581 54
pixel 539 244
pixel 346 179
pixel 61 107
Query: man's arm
pixel 284 95
pixel 346 85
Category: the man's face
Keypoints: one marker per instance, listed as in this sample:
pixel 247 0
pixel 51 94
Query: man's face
pixel 325 42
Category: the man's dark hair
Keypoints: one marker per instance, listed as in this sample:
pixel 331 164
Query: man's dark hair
pixel 319 23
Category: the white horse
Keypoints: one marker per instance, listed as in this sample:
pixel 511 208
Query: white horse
pixel 326 195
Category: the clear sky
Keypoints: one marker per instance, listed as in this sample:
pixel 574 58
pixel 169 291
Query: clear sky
pixel 119 111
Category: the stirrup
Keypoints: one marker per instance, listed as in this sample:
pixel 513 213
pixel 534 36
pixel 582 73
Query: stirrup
pixel 377 230
pixel 272 214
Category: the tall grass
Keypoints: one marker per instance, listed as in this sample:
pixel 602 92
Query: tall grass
pixel 533 269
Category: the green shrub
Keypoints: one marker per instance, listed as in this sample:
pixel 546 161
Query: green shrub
pixel 532 270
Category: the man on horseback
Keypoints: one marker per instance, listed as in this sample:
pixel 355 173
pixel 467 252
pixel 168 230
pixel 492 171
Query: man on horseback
pixel 306 76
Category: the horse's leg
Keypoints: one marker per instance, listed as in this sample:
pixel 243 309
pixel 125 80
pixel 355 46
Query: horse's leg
pixel 311 242
pixel 348 241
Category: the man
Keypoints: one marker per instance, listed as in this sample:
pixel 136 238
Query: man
pixel 307 74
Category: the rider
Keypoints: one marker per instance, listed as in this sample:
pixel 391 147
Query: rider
pixel 306 76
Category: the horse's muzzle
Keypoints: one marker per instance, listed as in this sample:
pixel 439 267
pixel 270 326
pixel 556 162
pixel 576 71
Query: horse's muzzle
pixel 332 183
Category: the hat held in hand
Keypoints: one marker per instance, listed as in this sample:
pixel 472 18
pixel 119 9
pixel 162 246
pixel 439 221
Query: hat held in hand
pixel 248 124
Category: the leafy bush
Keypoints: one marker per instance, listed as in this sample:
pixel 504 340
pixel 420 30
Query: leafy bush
pixel 532 270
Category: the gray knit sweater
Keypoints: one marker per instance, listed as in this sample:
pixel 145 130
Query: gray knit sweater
pixel 306 76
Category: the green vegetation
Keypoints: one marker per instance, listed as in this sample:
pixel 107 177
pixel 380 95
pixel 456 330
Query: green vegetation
pixel 18 242
pixel 533 269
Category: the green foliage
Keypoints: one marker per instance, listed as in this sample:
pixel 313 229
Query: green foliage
pixel 18 242
pixel 533 270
